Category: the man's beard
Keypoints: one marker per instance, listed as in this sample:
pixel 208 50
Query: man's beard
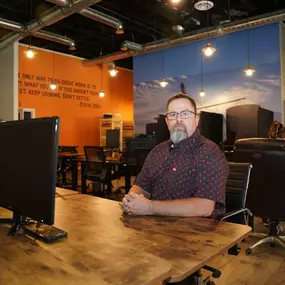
pixel 178 133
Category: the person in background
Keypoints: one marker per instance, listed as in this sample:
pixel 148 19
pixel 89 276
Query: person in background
pixel 184 176
pixel 277 130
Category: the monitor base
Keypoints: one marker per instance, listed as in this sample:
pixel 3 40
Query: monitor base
pixel 34 229
pixel 45 233
pixel 18 221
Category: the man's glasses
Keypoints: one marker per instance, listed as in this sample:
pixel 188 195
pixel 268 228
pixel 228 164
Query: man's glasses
pixel 183 114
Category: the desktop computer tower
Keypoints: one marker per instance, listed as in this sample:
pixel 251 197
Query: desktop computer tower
pixel 249 121
pixel 161 131
pixel 211 127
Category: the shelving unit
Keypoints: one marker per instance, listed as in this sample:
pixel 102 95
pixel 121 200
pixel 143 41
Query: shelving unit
pixel 126 130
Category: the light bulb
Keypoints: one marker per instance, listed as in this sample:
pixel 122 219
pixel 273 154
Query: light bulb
pixel 101 94
pixel 52 86
pixel 30 53
pixel 208 50
pixel 249 70
pixel 175 1
pixel 202 93
pixel 163 83
pixel 113 70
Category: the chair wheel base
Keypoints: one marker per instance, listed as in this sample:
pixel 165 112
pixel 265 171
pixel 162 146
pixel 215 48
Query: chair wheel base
pixel 248 251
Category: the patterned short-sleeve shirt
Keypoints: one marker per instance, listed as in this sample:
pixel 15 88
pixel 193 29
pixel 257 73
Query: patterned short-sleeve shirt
pixel 195 167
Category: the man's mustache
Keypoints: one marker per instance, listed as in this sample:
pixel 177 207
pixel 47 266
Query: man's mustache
pixel 179 125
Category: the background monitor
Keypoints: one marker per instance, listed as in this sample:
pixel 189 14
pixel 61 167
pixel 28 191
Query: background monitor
pixel 28 167
pixel 113 138
pixel 135 144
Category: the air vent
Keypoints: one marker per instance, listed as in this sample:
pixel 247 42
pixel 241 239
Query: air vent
pixel 204 5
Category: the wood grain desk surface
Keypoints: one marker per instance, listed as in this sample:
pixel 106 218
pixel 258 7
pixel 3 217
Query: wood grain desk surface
pixel 106 247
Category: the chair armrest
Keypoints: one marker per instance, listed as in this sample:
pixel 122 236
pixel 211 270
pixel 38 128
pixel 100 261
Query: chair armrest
pixel 235 212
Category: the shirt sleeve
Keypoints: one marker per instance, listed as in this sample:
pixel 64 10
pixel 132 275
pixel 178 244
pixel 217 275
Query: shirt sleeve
pixel 212 175
pixel 143 179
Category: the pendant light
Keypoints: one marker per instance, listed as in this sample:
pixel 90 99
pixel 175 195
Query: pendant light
pixel 208 50
pixel 101 93
pixel 202 91
pixel 52 85
pixel 30 53
pixel 249 71
pixel 113 71
pixel 163 83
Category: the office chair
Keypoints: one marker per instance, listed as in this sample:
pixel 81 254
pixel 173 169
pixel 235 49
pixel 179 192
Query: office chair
pixel 64 165
pixel 265 194
pixel 96 169
pixel 236 211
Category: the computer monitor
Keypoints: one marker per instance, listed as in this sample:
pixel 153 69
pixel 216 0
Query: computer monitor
pixel 28 169
pixel 113 138
pixel 135 144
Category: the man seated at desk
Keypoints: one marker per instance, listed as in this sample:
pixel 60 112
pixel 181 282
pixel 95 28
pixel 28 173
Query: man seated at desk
pixel 184 176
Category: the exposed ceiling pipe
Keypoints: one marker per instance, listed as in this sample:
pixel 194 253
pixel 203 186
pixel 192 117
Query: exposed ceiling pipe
pixel 21 29
pixel 56 38
pixel 47 18
pixel 104 19
pixel 192 37
pixel 95 15
pixel 11 25
pixel 128 45
pixel 60 2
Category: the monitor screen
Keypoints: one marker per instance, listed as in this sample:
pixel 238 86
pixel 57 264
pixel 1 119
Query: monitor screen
pixel 28 167
pixel 135 144
pixel 113 138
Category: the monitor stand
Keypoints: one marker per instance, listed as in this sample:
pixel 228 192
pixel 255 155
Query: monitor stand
pixel 33 229
pixel 17 221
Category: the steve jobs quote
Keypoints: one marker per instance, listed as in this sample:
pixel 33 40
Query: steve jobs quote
pixel 81 93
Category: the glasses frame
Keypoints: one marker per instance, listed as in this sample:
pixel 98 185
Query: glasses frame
pixel 179 113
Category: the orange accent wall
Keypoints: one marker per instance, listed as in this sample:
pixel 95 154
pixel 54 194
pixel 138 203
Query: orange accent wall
pixel 82 108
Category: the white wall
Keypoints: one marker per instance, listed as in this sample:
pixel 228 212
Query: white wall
pixel 9 83
pixel 282 63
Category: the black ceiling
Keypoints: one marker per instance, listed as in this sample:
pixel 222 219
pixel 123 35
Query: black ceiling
pixel 144 21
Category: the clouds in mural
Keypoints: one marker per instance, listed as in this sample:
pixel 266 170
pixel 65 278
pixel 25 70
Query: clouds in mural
pixel 224 89
pixel 225 84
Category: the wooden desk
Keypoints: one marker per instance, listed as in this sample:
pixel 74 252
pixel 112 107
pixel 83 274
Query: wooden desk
pixel 88 256
pixel 105 246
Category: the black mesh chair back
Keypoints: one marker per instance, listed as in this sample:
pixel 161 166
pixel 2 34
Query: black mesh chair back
pixel 95 162
pixel 265 192
pixel 236 190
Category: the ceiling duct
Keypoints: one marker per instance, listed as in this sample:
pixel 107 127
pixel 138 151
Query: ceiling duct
pixel 197 35
pixel 104 19
pixel 56 38
pixel 60 2
pixel 95 15
pixel 11 25
pixel 14 26
pixel 128 45
pixel 48 18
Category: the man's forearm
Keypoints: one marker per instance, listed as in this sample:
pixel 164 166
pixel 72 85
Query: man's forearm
pixel 190 207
